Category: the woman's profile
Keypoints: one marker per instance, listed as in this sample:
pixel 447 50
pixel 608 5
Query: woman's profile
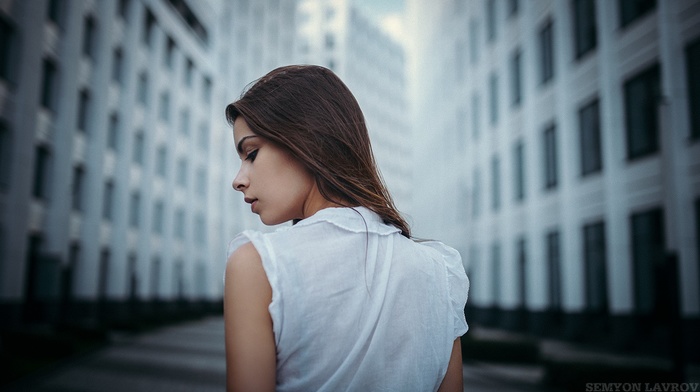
pixel 344 299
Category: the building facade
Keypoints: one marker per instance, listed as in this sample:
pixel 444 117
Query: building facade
pixel 578 126
pixel 116 157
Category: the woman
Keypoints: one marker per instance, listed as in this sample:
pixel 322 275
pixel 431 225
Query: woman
pixel 343 299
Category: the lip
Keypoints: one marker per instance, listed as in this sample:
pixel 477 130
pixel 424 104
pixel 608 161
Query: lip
pixel 252 202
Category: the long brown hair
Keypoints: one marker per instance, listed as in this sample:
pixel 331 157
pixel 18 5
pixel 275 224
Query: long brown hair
pixel 311 113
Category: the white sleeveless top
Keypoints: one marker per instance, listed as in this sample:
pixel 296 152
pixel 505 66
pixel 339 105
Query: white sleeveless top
pixel 356 306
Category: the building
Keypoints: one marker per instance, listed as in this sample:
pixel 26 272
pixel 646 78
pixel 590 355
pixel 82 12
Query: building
pixel 579 135
pixel 116 158
pixel 335 34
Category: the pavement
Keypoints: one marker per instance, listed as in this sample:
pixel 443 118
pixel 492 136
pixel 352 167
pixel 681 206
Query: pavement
pixel 190 357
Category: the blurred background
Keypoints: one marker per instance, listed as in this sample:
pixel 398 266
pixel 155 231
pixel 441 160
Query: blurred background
pixel 554 143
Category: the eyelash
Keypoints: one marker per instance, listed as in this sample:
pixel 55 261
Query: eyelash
pixel 251 156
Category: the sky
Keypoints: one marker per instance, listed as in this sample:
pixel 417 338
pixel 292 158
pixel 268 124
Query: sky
pixel 388 13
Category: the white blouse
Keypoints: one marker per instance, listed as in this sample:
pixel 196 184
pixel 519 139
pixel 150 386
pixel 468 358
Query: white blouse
pixel 356 306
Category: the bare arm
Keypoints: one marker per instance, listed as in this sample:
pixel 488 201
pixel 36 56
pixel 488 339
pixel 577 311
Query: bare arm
pixel 250 343
pixel 453 381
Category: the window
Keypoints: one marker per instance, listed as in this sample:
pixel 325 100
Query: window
pixel 513 7
pixel 206 89
pixel 554 264
pixel 103 279
pixel 5 155
pixel 117 64
pixel 89 38
pixel 161 160
pixel 641 113
pixel 78 184
pixel 493 99
pixel 476 196
pixel 692 58
pixel 649 258
pixel 204 137
pixel 113 132
pixel 134 209
pixel 202 181
pixel 589 132
pixel 476 118
pixel 108 201
pixel 83 110
pixel 630 10
pixel 182 172
pixel 56 10
pixel 474 42
pixel 496 276
pixel 164 113
pixel 149 25
pixel 49 85
pixel 143 89
pixel 585 38
pixel 546 45
pixel 180 224
pixel 550 158
pixel 123 9
pixel 132 276
pixel 200 231
pixel 330 41
pixel 521 262
pixel 185 122
pixel 516 83
pixel 495 184
pixel 42 164
pixel 189 72
pixel 491 20
pixel 594 257
pixel 158 215
pixel 169 52
pixel 519 169
pixel 139 148
pixel 8 46
pixel 155 277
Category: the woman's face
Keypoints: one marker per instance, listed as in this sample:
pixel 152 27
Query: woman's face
pixel 276 185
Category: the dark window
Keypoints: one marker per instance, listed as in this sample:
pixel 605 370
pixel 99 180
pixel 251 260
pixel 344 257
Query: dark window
pixel 164 113
pixel 117 65
pixel 476 118
pixel 630 10
pixel 200 231
pixel 155 277
pixel 8 46
pixel 516 83
pixel 697 228
pixel 5 155
pixel 519 169
pixel 648 255
pixel 589 131
pixel 473 42
pixel 204 137
pixel 123 9
pixel 495 184
pixel 521 249
pixel 550 158
pixel 496 276
pixel 182 172
pixel 513 7
pixel 56 11
pixel 180 224
pixel 546 46
pixel 89 37
pixel 83 110
pixel 641 113
pixel 149 25
pixel 169 52
pixel 108 200
pixel 476 196
pixel 102 283
pixel 206 89
pixel 189 72
pixel 330 41
pixel 554 264
pixel 134 209
pixel 185 122
pixel 158 215
pixel 493 99
pixel 202 181
pixel 133 276
pixel 692 58
pixel 42 165
pixel 491 20
pixel 139 146
pixel 78 185
pixel 113 132
pixel 49 85
pixel 594 257
pixel 585 37
pixel 161 160
pixel 143 89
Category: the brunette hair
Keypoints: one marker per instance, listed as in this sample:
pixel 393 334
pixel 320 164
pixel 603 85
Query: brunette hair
pixel 308 111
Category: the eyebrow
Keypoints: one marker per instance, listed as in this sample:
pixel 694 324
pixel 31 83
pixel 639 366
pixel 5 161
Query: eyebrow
pixel 239 148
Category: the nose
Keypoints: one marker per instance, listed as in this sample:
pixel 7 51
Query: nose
pixel 240 182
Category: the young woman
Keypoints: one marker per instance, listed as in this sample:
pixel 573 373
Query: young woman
pixel 343 300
